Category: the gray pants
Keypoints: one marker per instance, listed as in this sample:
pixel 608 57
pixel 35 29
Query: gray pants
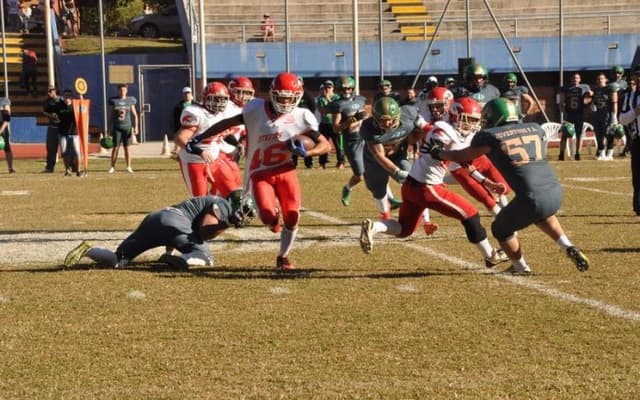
pixel 167 227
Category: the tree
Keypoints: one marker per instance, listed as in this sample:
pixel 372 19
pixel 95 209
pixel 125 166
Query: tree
pixel 117 13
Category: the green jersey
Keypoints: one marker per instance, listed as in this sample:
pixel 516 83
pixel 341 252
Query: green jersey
pixel 121 111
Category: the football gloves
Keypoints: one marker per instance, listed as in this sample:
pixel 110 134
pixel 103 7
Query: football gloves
pixel 400 175
pixel 297 148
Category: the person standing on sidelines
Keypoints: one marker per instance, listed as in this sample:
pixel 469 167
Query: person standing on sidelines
pixel 326 123
pixel 51 109
pixel 5 132
pixel 573 98
pixel 68 136
pixel 516 149
pixel 124 124
pixel 274 128
pixel 630 118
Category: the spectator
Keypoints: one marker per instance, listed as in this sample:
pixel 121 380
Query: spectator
pixel 573 98
pixel 187 99
pixel 147 10
pixel 51 109
pixel 268 27
pixel 25 17
pixel 410 99
pixel 5 132
pixel 124 124
pixel 29 71
pixel 13 11
pixel 326 97
pixel 619 79
pixel 70 18
pixel 68 136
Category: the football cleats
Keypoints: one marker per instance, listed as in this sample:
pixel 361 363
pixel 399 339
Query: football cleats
pixel 439 101
pixel 215 97
pixel 285 92
pixel 241 90
pixel 498 112
pixel 344 83
pixel 568 129
pixel 386 113
pixel 467 114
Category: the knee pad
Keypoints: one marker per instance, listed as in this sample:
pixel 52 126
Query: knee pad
pixel 474 230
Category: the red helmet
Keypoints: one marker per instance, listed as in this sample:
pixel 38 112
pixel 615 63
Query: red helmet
pixel 439 101
pixel 241 89
pixel 466 115
pixel 285 92
pixel 215 97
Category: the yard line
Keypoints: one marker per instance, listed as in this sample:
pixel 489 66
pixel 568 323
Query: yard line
pixel 590 189
pixel 526 282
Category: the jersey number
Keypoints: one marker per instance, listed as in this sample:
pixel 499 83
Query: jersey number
pixel 273 155
pixel 523 149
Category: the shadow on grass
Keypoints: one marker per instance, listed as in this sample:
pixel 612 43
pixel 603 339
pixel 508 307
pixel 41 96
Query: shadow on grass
pixel 266 272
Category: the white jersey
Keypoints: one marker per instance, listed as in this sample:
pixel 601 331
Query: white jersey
pixel 238 131
pixel 203 119
pixel 268 134
pixel 425 168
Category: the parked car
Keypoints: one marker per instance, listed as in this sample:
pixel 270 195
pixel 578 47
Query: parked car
pixel 165 23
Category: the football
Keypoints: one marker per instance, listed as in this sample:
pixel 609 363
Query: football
pixel 306 141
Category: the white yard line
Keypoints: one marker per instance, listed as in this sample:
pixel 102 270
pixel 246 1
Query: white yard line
pixel 526 282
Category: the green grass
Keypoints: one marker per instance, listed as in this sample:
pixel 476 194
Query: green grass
pixel 409 321
pixel 85 44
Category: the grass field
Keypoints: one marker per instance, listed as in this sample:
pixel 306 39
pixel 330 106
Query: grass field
pixel 420 318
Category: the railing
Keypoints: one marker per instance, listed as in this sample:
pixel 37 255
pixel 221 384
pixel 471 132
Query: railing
pixel 599 23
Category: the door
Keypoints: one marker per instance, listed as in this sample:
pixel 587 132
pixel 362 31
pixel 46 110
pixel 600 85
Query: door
pixel 160 90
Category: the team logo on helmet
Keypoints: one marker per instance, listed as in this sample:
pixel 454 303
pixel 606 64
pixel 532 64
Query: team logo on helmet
pixel 386 113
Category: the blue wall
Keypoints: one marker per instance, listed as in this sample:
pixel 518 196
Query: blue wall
pixel 403 58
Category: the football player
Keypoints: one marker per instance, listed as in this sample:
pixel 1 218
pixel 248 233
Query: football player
pixel 220 173
pixel 517 93
pixel 424 187
pixel 477 84
pixel 604 104
pixel 348 113
pixel 516 149
pixel 186 227
pixel 272 127
pixel 387 135
pixel 465 117
pixel 574 96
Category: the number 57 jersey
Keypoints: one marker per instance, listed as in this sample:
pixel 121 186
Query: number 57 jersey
pixel 268 135
pixel 517 150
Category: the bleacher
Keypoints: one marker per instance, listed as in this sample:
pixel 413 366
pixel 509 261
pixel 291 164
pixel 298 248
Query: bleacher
pixel 309 21
pixel 536 18
pixel 233 21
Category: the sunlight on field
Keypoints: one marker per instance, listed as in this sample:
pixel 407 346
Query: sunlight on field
pixel 419 318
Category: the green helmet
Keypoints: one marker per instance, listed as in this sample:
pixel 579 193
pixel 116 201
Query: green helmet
pixel 346 82
pixel 386 108
pixel 449 79
pixel 475 69
pixel 617 130
pixel 2 144
pixel 511 77
pixel 243 208
pixel 618 69
pixel 568 129
pixel 498 112
pixel 106 142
